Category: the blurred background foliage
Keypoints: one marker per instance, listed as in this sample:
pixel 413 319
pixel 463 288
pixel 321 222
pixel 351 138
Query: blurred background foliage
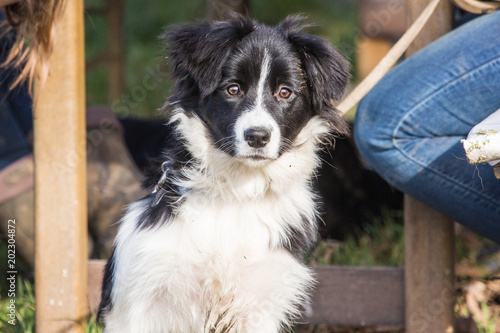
pixel 145 21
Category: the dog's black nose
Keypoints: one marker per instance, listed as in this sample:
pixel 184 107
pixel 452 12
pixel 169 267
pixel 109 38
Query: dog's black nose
pixel 257 137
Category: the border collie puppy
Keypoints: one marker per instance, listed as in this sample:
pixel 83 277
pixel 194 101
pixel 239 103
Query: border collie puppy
pixel 217 246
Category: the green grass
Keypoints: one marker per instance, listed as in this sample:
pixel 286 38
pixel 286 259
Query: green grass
pixel 92 326
pixel 379 244
pixel 488 325
pixel 25 309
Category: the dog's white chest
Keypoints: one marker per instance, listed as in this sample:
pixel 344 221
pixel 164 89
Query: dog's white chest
pixel 209 265
pixel 236 231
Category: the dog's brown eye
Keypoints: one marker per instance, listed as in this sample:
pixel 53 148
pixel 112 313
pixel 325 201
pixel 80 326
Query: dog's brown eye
pixel 285 93
pixel 233 90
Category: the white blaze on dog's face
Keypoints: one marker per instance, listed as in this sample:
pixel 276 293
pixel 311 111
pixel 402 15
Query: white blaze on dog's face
pixel 257 134
pixel 257 86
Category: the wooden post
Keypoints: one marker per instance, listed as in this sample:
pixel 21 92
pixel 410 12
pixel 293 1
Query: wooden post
pixel 370 51
pixel 429 271
pixel 439 24
pixel 429 237
pixel 218 9
pixel 60 182
pixel 115 48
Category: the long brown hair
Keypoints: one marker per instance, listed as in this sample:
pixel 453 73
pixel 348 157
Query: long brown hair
pixel 34 23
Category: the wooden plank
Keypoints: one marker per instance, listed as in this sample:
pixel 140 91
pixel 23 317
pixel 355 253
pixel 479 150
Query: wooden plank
pixel 358 296
pixel 351 296
pixel 429 237
pixel 60 182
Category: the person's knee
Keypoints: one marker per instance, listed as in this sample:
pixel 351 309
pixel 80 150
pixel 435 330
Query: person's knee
pixel 370 135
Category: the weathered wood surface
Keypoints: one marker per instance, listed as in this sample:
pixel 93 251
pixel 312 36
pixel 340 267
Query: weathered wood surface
pixel 358 296
pixel 60 182
pixel 352 296
pixel 439 24
pixel 429 263
pixel 429 237
pixel 95 274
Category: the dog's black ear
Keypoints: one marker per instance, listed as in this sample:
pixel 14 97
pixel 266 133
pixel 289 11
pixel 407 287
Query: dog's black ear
pixel 327 71
pixel 199 50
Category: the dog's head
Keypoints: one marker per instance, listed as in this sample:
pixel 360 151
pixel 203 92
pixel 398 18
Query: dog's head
pixel 255 87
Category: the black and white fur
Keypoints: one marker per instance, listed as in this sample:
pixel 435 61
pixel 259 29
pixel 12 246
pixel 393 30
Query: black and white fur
pixel 221 251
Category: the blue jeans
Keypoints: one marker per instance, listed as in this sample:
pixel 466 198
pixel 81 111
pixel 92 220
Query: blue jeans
pixel 409 127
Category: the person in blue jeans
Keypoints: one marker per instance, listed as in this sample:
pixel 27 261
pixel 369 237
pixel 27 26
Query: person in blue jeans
pixel 409 127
